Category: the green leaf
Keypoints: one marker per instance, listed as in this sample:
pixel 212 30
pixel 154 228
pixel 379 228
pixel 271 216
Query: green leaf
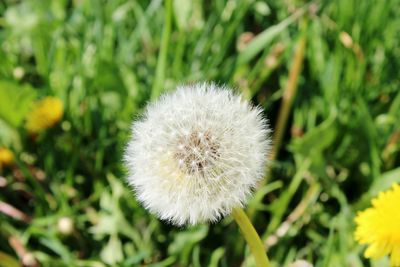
pixel 265 38
pixel 216 257
pixel 184 241
pixel 317 139
pixel 112 252
pixel 182 10
pixel 55 245
pixel 385 181
pixel 16 101
pixel 9 136
pixel 8 261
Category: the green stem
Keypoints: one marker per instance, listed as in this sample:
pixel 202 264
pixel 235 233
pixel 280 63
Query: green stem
pixel 288 96
pixel 162 57
pixel 252 238
pixel 287 100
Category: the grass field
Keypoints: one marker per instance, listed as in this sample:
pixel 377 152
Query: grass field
pixel 325 72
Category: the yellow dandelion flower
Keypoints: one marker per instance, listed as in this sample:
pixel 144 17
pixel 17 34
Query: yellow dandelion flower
pixel 6 157
pixel 44 115
pixel 379 226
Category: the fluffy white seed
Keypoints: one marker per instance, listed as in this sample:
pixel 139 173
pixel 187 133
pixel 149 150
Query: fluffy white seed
pixel 197 153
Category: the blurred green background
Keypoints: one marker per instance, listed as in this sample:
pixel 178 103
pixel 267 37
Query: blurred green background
pixel 326 73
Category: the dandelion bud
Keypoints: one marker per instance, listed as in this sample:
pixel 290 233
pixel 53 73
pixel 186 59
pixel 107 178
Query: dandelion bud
pixel 197 153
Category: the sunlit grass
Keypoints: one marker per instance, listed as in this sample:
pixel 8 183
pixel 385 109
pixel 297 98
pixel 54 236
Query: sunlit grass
pixel 339 142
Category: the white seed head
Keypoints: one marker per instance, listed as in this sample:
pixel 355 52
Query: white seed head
pixel 197 153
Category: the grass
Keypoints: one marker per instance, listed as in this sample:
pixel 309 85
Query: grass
pixel 339 135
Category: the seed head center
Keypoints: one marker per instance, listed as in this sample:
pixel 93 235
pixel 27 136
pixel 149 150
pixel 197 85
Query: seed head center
pixel 196 151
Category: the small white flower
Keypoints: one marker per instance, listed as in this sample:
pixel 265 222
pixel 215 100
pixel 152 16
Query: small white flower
pixel 197 153
pixel 65 225
pixel 301 263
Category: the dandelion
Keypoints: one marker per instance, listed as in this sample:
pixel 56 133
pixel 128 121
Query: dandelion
pixel 44 115
pixel 197 154
pixel 6 157
pixel 379 226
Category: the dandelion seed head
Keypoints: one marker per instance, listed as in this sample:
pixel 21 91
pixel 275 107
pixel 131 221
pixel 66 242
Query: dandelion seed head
pixel 197 153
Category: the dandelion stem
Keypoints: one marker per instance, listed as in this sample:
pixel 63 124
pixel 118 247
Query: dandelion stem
pixel 252 238
pixel 162 57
